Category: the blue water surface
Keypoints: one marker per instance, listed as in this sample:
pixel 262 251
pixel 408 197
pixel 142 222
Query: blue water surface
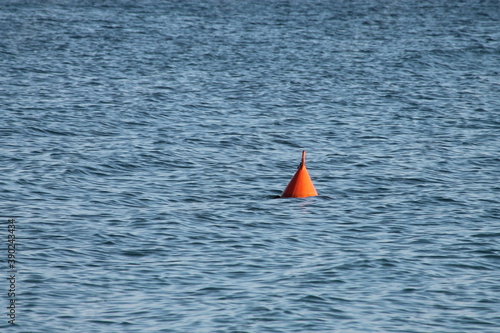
pixel 143 144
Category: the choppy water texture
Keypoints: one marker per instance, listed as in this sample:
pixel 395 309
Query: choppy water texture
pixel 143 144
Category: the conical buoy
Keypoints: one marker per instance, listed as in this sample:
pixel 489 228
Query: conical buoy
pixel 301 185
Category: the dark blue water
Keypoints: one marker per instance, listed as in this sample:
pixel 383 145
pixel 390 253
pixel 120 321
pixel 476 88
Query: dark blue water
pixel 143 144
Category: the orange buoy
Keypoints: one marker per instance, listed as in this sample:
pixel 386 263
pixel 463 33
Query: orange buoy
pixel 301 185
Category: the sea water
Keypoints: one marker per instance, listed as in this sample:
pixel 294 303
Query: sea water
pixel 144 143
